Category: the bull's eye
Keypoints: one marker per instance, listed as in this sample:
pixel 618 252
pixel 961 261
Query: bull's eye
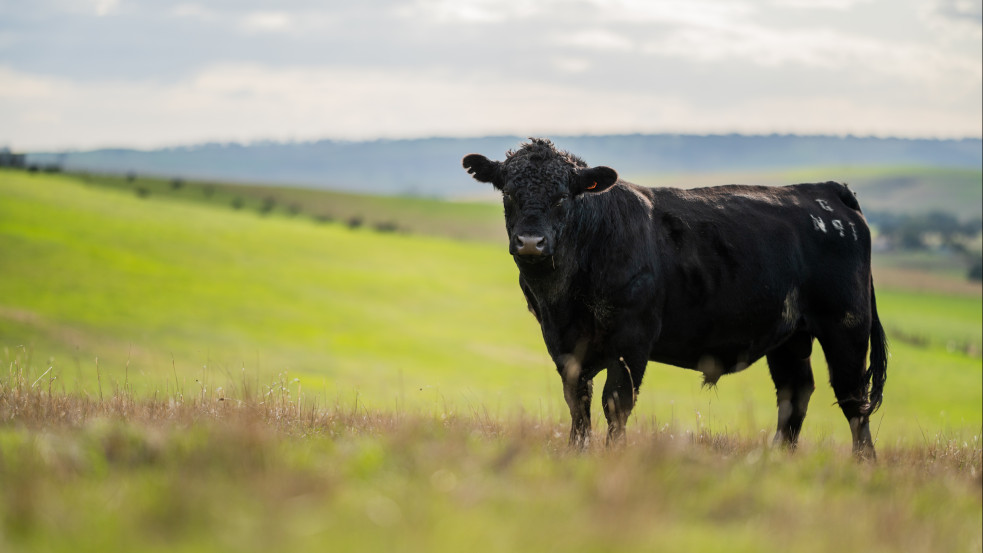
pixel 508 197
pixel 559 201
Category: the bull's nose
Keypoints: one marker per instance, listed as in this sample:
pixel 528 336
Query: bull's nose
pixel 530 245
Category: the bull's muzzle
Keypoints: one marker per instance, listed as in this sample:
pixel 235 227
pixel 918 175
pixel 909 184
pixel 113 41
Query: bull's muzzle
pixel 529 245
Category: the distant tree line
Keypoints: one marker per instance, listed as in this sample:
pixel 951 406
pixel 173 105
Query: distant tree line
pixel 19 161
pixel 932 230
pixel 11 159
pixel 935 230
pixel 266 205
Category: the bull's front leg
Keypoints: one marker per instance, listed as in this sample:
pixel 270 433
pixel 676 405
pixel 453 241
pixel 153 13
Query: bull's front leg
pixel 577 390
pixel 618 398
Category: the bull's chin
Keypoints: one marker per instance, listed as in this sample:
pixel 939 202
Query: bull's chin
pixel 542 262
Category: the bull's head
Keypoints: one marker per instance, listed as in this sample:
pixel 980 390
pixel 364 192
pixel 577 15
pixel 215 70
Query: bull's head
pixel 539 185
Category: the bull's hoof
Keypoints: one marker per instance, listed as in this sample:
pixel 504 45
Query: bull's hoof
pixel 785 441
pixel 578 441
pixel 865 452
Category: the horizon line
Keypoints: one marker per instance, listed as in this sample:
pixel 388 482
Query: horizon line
pixel 288 142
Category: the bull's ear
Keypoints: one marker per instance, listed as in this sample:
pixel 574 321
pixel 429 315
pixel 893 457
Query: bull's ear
pixel 596 179
pixel 483 169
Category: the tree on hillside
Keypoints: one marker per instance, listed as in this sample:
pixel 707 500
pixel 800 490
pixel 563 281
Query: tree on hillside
pixel 976 270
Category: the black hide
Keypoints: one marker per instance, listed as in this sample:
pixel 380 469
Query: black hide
pixel 710 279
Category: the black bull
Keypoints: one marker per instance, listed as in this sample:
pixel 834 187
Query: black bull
pixel 710 279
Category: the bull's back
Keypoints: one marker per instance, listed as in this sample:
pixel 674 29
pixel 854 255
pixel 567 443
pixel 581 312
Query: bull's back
pixel 746 227
pixel 743 265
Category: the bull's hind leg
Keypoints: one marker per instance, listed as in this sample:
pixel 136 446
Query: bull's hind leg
pixel 846 355
pixel 792 373
pixel 620 392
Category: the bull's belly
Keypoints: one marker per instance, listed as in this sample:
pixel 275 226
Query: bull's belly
pixel 724 342
pixel 721 361
pixel 718 357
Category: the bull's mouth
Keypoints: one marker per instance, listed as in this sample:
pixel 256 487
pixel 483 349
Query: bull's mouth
pixel 539 261
pixel 531 256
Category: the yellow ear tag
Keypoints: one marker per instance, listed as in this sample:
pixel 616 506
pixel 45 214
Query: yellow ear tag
pixel 593 186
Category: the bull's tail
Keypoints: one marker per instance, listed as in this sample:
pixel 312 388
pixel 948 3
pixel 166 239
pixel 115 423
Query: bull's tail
pixel 877 371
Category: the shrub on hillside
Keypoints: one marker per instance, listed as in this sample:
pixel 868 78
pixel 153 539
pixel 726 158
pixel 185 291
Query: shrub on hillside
pixel 976 271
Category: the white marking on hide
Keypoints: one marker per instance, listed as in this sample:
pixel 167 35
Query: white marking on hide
pixel 853 228
pixel 839 226
pixel 817 223
pixel 825 205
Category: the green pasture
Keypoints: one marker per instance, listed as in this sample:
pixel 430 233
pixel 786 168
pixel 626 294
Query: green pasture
pixel 183 376
pixel 109 290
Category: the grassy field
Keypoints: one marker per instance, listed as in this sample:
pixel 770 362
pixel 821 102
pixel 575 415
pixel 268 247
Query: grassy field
pixel 304 384
pixel 265 472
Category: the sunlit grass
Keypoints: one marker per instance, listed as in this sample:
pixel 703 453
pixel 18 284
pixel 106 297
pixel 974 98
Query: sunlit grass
pixel 254 468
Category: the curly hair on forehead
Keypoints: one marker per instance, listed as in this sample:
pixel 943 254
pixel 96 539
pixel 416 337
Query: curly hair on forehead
pixel 542 149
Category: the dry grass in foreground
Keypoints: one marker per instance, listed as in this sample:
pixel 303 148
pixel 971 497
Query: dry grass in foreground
pixel 258 469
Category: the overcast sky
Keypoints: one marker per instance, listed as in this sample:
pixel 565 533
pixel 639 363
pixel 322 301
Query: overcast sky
pixel 144 73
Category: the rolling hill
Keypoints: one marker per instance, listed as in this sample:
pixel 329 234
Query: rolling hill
pixel 431 167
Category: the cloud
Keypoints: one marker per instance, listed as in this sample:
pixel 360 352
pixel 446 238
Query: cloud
pixel 571 65
pixel 106 7
pixel 266 22
pixel 194 11
pixel 820 48
pixel 154 73
pixel 969 11
pixel 581 11
pixel 472 11
pixel 595 39
pixel 236 102
pixel 705 12
pixel 837 5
